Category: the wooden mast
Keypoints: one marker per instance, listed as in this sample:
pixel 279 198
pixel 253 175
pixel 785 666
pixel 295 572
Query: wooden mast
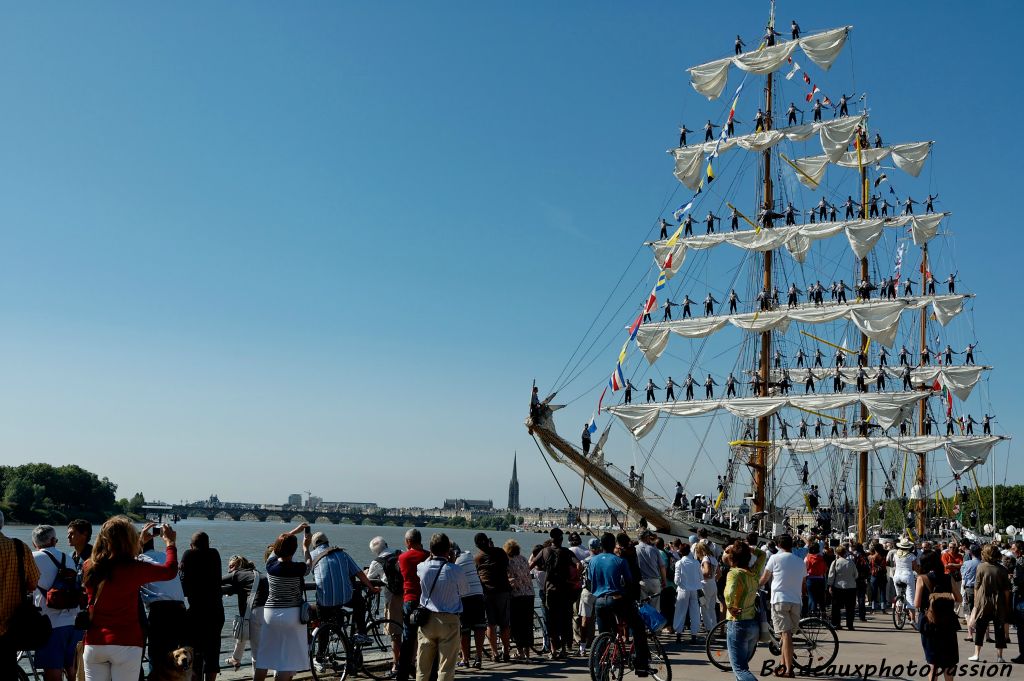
pixel 862 468
pixel 922 473
pixel 761 452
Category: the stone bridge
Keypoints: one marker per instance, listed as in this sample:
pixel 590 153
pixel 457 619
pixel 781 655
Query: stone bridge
pixel 300 515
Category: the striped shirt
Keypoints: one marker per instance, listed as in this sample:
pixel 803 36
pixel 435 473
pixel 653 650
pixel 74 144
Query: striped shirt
pixel 285 580
pixel 444 585
pixel 333 570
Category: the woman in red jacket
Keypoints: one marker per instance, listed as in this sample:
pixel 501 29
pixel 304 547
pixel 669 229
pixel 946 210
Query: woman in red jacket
pixel 113 643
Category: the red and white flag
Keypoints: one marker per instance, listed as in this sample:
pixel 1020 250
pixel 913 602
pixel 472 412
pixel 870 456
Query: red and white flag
pixel 814 91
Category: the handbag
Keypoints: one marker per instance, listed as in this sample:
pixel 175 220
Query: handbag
pixel 28 628
pixel 83 620
pixel 420 615
pixel 654 620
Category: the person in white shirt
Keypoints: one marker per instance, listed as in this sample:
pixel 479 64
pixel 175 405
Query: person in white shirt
pixel 381 568
pixel 709 585
pixel 165 602
pixel 785 572
pixel 57 657
pixel 688 585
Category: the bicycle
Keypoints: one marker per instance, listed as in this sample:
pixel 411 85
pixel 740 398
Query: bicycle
pixel 336 648
pixel 22 675
pixel 540 624
pixel 901 607
pixel 815 643
pixel 611 654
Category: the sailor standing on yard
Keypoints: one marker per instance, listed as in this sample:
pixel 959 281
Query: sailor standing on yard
pixel 664 229
pixel 730 385
pixel 709 130
pixel 688 383
pixel 800 357
pixel 733 299
pixel 739 45
pixel 986 424
pixel 969 353
pixel 688 225
pixel 650 390
pixel 709 222
pixel 586 439
pixel 817 119
pixel 906 377
pixel 949 352
pixel 629 391
pixel 908 206
pixel 883 357
pixel 848 205
pixel 791 214
pixel 928 207
pixel 667 316
pixel 686 306
pixel 951 282
pixel 734 219
pixel 791 113
pixel 843 110
pixel 670 389
pixel 682 135
pixel 709 305
pixel 795 30
pixel 809 383
pixel 709 392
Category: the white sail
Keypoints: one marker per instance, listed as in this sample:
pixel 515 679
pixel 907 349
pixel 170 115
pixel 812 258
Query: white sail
pixel 835 136
pixel 887 409
pixel 959 380
pixel 877 319
pixel 908 157
pixel 821 48
pixel 862 235
pixel 963 451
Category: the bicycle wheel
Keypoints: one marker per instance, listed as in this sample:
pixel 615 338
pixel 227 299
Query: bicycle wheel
pixel 899 615
pixel 815 646
pixel 330 654
pixel 541 644
pixel 378 654
pixel 607 661
pixel 716 648
pixel 659 666
pixel 21 675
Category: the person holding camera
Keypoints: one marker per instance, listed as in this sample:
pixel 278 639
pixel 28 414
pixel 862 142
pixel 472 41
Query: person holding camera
pixel 443 587
pixel 113 577
pixel 283 646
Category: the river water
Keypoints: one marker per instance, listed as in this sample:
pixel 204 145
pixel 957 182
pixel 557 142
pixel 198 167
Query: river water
pixel 250 539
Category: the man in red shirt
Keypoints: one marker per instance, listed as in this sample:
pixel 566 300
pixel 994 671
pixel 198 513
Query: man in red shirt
pixel 952 559
pixel 408 561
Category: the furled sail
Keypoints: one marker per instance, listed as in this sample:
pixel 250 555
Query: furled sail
pixel 959 380
pixel 821 48
pixel 963 451
pixel 908 157
pixel 862 235
pixel 887 409
pixel 877 319
pixel 835 136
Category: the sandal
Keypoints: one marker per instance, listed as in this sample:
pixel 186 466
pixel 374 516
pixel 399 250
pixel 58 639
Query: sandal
pixel 232 662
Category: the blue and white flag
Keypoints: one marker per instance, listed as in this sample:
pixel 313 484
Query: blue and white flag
pixel 593 424
pixel 682 210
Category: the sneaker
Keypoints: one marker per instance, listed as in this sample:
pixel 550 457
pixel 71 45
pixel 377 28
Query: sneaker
pixel 1000 660
pixel 361 639
pixel 1017 660
pixel 974 658
pixel 320 667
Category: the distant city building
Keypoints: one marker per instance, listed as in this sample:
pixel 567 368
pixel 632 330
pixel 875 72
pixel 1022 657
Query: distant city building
pixel 468 505
pixel 513 488
pixel 295 500
pixel 313 501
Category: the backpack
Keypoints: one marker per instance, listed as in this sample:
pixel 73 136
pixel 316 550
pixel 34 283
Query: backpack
pixel 66 592
pixel 863 569
pixel 393 575
pixel 941 609
pixel 559 569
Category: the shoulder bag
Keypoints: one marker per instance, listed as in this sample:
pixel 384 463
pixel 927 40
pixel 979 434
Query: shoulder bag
pixel 28 628
pixel 421 614
pixel 240 625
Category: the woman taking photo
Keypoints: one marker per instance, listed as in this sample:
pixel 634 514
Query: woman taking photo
pixel 740 596
pixel 521 605
pixel 112 577
pixel 283 645
pixel 200 580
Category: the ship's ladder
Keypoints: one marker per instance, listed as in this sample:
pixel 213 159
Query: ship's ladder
pixel 727 482
pixel 805 489
pixel 847 467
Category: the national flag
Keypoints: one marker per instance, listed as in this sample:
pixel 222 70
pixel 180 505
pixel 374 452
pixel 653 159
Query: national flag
pixel 807 79
pixel 796 67
pixel 814 91
pixel 880 179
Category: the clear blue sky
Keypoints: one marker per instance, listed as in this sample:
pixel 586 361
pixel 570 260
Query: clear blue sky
pixel 256 249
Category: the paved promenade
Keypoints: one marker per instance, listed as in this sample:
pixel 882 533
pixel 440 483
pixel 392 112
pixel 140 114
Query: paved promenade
pixel 871 644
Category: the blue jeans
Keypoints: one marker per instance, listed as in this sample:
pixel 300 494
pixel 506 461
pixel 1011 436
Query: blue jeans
pixel 407 653
pixel 741 639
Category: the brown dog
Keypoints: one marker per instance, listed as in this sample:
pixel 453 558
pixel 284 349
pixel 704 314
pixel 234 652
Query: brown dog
pixel 177 666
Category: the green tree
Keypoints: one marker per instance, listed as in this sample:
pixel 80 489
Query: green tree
pixel 136 503
pixel 21 493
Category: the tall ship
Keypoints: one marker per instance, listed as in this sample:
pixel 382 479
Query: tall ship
pixel 806 337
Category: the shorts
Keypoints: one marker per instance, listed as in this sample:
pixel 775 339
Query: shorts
pixel 59 652
pixel 393 613
pixel 472 617
pixel 497 605
pixel 586 604
pixel 786 617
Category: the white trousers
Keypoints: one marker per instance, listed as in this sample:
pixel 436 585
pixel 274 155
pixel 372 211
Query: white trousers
pixel 687 603
pixel 112 663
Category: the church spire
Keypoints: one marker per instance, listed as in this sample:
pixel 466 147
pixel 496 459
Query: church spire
pixel 513 487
